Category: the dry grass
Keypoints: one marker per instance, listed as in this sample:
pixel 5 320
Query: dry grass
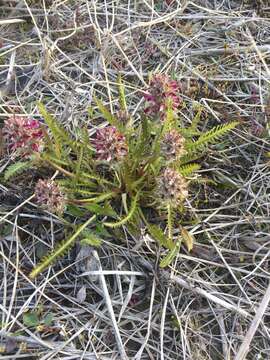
pixel 117 303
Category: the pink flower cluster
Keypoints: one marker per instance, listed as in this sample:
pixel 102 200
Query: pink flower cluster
pixel 110 144
pixel 49 196
pixel 23 135
pixel 163 93
pixel 172 187
pixel 173 145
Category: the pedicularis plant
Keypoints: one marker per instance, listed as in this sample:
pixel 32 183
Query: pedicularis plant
pixel 126 174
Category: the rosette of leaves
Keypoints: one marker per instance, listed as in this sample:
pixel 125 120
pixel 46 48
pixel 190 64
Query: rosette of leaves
pixel 150 175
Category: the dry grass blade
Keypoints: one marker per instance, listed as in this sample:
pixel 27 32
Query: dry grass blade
pixel 205 294
pixel 107 299
pixel 11 21
pixel 244 348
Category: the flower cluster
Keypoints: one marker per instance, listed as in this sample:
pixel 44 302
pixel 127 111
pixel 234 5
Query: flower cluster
pixel 172 187
pixel 173 145
pixel 23 135
pixel 49 196
pixel 163 94
pixel 110 145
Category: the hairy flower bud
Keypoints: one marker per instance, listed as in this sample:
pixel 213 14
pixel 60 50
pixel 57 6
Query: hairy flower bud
pixel 172 187
pixel 23 135
pixel 173 145
pixel 110 145
pixel 49 196
pixel 163 94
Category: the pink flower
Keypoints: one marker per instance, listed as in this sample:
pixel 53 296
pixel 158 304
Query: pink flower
pixel 173 145
pixel 23 135
pixel 172 187
pixel 163 94
pixel 49 196
pixel 110 144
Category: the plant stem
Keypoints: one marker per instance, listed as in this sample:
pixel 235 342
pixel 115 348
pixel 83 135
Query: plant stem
pixel 61 169
pixel 169 212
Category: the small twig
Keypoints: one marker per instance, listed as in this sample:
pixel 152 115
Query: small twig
pixel 162 325
pixel 226 51
pixel 17 208
pixel 114 272
pixel 36 343
pixel 139 353
pixel 111 312
pixel 208 296
pixel 11 21
pixel 10 76
pixel 244 348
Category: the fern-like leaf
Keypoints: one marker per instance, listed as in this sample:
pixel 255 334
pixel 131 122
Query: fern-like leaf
pixel 158 234
pixel 122 95
pixel 140 146
pixel 169 121
pixel 98 199
pixel 108 116
pixel 90 238
pixel 60 250
pixel 196 119
pixel 170 221
pixel 17 168
pixel 188 169
pixel 210 137
pixel 130 214
pixel 59 134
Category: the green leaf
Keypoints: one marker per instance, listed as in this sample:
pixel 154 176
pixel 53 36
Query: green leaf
pixel 99 198
pixel 210 136
pixel 140 147
pixel 91 239
pixel 108 116
pixel 169 122
pixel 90 111
pixel 188 169
pixel 17 168
pixel 190 157
pixel 6 229
pixel 130 214
pixel 122 95
pixel 75 211
pixel 48 320
pixel 105 210
pixel 196 119
pixel 167 260
pixel 79 164
pixel 40 250
pixel 30 319
pixel 53 159
pixel 158 234
pixel 60 250
pixel 59 134
pixel 96 178
pixel 102 231
pixel 124 202
pixel 189 133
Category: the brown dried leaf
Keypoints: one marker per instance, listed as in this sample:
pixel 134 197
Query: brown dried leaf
pixel 188 238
